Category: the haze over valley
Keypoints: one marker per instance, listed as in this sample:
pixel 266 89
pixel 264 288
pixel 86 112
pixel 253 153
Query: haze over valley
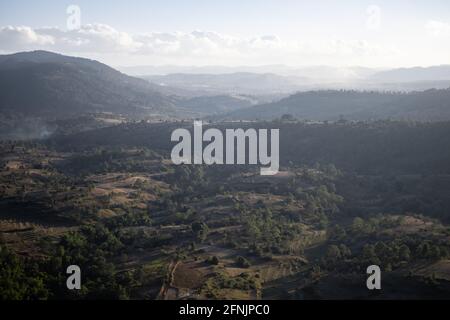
pixel 44 87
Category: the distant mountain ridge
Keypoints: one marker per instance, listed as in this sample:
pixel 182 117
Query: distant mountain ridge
pixel 266 80
pixel 415 74
pixel 230 83
pixel 328 73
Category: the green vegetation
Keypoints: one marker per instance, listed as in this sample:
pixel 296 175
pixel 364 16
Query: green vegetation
pixel 348 195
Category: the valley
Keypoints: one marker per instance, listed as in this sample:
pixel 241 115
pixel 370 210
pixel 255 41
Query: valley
pixel 87 179
pixel 143 228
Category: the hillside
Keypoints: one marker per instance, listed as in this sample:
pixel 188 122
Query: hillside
pixel 209 105
pixel 430 105
pixel 50 85
pixel 111 201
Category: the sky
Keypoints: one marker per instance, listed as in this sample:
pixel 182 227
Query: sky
pixel 382 34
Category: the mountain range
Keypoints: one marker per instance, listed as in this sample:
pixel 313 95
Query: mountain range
pixel 230 83
pixel 51 86
pixel 272 81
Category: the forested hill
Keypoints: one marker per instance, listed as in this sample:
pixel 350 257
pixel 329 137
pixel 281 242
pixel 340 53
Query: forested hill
pixel 430 105
pixel 46 84
pixel 382 147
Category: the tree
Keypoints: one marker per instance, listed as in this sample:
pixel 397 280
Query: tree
pixel 333 253
pixel 337 233
pixel 381 250
pixel 287 117
pixel 200 230
pixel 345 251
pixel 369 255
pixel 358 225
pixel 214 260
pixel 242 262
pixel 404 253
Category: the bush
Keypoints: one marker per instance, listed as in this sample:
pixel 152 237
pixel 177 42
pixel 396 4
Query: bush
pixel 243 262
pixel 214 260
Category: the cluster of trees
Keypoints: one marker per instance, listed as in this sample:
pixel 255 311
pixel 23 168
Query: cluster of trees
pixel 92 248
pixel 20 279
pixel 131 218
pixel 416 193
pixel 363 147
pixel 115 159
pixel 388 254
pixel 244 281
pixel 262 230
pixel 345 251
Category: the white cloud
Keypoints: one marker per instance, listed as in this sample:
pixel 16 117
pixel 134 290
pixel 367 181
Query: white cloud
pixel 197 47
pixel 91 38
pixel 438 28
pixel 22 37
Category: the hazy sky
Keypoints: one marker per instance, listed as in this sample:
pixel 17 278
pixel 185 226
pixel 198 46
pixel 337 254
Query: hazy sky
pixel 245 32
